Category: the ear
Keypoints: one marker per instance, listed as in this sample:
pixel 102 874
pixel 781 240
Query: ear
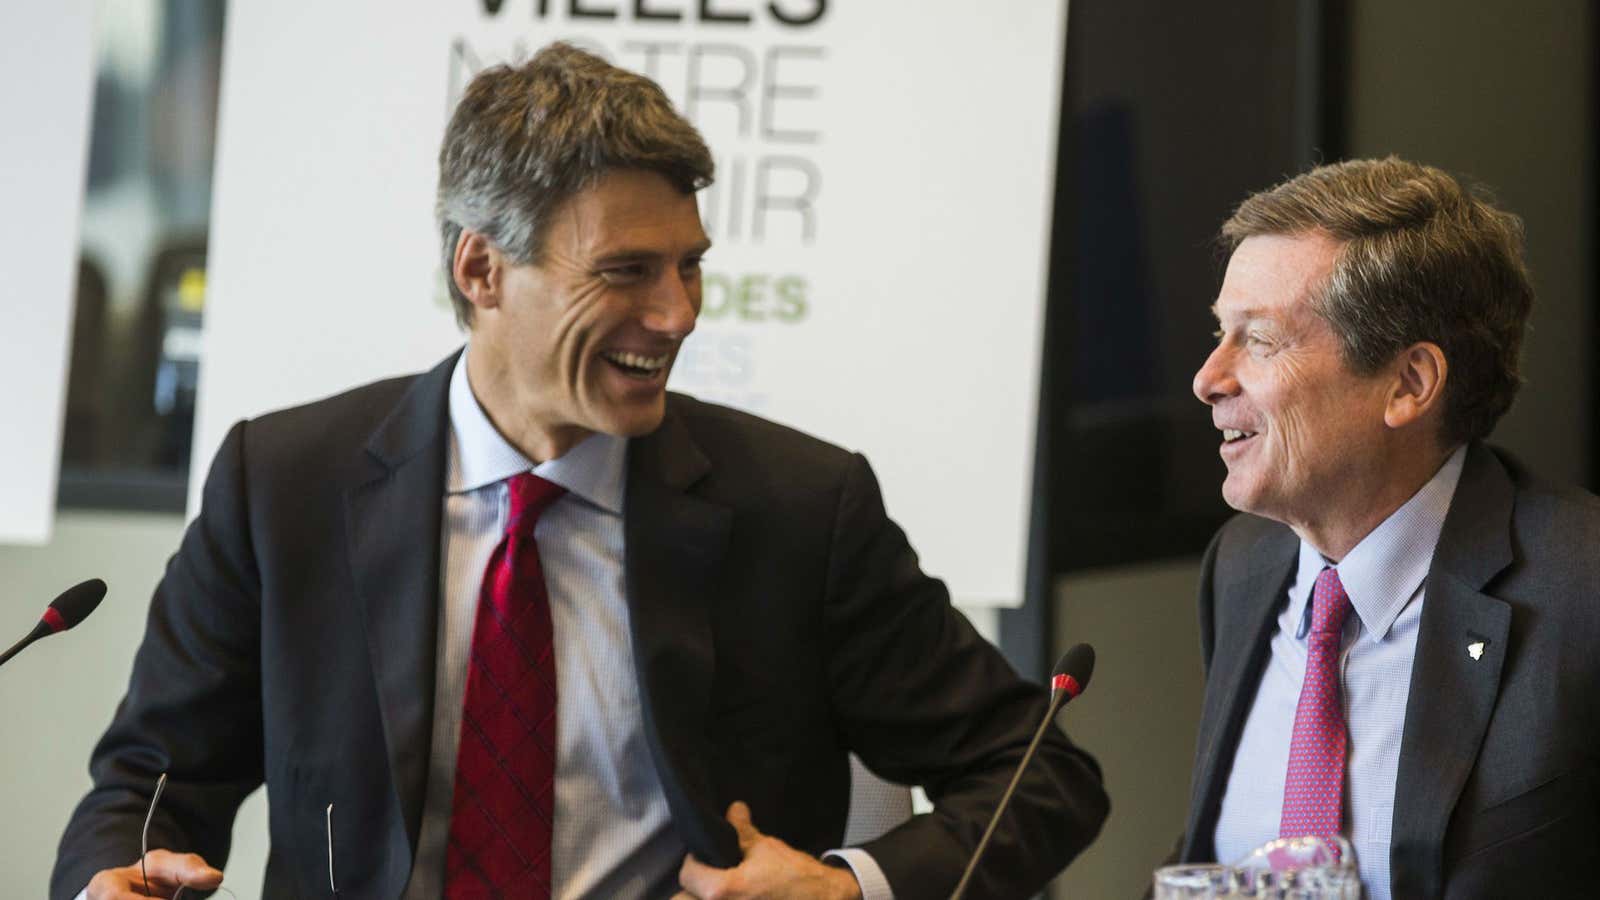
pixel 478 269
pixel 1420 373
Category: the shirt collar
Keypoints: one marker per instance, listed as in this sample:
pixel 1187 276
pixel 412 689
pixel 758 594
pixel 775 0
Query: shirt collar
pixel 480 455
pixel 1385 569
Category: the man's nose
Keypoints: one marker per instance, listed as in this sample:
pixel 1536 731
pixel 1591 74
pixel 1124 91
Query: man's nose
pixel 1215 379
pixel 673 305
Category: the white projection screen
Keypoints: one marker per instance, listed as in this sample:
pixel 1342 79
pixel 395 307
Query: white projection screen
pixel 47 72
pixel 880 219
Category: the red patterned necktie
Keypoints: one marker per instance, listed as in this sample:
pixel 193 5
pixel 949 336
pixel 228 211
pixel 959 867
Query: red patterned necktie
pixel 1313 792
pixel 504 807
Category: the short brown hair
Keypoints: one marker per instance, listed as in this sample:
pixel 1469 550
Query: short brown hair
pixel 1422 259
pixel 524 139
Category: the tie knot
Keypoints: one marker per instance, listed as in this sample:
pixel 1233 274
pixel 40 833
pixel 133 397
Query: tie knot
pixel 530 496
pixel 1329 603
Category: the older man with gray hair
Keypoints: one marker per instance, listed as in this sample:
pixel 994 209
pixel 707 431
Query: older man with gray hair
pixel 1399 630
pixel 527 625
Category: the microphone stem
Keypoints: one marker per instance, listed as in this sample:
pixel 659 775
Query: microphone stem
pixel 1056 699
pixel 39 631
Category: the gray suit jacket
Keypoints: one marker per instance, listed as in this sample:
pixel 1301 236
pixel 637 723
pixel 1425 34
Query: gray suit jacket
pixel 779 619
pixel 1497 790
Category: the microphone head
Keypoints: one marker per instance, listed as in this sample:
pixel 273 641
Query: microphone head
pixel 1073 670
pixel 74 605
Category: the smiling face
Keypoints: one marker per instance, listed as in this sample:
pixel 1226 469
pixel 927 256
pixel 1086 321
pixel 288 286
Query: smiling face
pixel 582 340
pixel 1304 438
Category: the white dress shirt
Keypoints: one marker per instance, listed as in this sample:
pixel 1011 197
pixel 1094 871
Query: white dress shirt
pixel 1384 575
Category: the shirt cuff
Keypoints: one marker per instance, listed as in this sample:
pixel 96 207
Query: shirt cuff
pixel 874 886
pixel 82 895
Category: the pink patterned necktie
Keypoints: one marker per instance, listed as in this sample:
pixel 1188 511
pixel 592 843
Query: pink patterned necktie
pixel 502 816
pixel 1313 792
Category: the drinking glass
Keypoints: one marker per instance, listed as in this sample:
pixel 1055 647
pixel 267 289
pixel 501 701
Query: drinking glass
pixel 1302 868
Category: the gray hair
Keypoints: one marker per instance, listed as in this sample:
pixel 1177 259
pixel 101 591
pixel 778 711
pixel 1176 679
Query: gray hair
pixel 525 139
pixel 1422 259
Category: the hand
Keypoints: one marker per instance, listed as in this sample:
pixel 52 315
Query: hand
pixel 168 872
pixel 770 868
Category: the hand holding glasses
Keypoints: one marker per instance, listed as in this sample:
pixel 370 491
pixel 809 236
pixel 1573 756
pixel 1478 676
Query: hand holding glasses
pixel 144 852
pixel 176 874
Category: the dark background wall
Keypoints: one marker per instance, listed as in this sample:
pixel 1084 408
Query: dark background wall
pixel 1162 135
pixel 1504 94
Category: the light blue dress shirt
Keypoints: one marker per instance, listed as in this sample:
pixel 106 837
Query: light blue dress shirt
pixel 613 833
pixel 1384 575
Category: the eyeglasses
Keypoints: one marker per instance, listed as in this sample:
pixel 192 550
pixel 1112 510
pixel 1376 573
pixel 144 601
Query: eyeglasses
pixel 144 844
pixel 332 886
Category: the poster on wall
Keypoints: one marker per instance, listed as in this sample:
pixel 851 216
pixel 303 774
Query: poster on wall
pixel 46 68
pixel 880 221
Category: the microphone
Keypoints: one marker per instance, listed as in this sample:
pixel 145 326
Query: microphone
pixel 73 606
pixel 1070 678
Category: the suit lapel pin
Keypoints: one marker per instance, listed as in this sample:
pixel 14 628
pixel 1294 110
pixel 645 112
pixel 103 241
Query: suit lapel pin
pixel 1475 650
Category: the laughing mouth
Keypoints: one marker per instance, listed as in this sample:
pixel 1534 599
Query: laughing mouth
pixel 1234 435
pixel 637 364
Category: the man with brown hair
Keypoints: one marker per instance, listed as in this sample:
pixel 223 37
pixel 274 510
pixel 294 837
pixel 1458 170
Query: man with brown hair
pixel 527 625
pixel 1399 629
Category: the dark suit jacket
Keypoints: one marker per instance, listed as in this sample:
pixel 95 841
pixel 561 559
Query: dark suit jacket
pixel 1496 794
pixel 778 620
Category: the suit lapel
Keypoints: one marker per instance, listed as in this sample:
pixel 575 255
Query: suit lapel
pixel 675 543
pixel 1245 614
pixel 393 526
pixel 1452 694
